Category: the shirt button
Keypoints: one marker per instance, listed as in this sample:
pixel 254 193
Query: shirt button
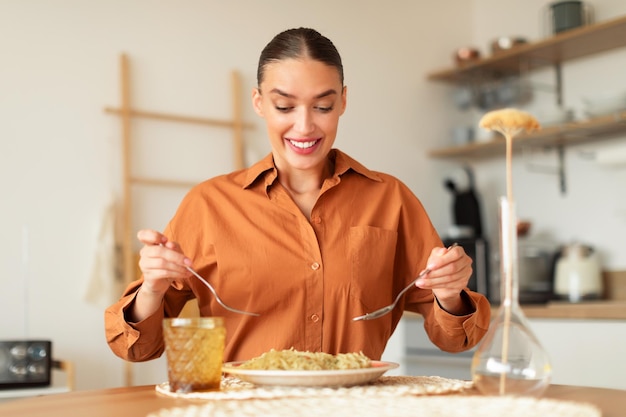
pixel 315 266
pixel 315 318
pixel 316 219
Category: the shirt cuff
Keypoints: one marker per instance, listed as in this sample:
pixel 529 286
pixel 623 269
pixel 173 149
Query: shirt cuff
pixel 142 337
pixel 451 321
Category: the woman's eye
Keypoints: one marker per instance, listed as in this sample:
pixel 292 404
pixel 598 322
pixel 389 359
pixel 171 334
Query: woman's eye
pixel 285 109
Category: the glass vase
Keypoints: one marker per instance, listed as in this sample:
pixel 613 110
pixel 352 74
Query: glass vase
pixel 510 360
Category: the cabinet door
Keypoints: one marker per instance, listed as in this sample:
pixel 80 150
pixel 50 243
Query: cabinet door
pixel 423 358
pixel 585 352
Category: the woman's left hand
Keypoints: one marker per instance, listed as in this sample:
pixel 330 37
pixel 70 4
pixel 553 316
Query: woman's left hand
pixel 450 271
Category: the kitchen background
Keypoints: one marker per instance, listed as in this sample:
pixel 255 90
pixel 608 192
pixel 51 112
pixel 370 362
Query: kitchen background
pixel 60 153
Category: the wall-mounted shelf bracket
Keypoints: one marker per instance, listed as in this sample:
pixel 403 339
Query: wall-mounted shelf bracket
pixel 558 170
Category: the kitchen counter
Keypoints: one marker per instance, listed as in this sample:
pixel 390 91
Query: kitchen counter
pixel 596 310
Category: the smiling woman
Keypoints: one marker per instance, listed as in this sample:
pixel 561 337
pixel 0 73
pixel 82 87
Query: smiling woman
pixel 307 237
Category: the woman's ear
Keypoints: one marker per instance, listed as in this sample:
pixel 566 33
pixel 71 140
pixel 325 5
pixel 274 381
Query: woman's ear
pixel 344 98
pixel 256 101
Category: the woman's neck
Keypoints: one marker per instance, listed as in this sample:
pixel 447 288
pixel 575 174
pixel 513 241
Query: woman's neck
pixel 304 185
pixel 303 182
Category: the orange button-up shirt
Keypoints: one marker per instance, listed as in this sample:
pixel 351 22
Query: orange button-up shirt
pixel 367 238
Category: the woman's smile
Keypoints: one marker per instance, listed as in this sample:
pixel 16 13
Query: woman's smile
pixel 303 147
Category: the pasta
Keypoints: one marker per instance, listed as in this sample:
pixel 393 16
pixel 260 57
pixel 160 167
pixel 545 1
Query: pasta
pixel 291 359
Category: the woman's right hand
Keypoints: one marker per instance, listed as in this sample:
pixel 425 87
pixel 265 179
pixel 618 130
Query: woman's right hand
pixel 161 261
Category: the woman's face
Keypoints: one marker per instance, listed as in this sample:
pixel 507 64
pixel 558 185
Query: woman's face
pixel 301 101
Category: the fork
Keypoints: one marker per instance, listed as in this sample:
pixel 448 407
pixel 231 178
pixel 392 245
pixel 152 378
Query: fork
pixel 382 311
pixel 217 297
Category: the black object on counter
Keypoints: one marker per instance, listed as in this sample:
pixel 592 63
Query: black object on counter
pixel 466 208
pixel 466 212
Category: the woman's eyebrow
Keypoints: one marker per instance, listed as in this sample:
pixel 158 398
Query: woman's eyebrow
pixel 326 93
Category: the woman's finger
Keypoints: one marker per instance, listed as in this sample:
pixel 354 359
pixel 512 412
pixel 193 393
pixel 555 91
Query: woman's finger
pixel 151 237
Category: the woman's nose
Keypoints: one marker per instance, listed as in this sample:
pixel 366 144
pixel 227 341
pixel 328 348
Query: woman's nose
pixel 304 122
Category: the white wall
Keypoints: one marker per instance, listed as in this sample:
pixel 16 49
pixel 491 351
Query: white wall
pixel 59 152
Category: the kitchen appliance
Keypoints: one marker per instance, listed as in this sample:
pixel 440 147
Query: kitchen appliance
pixel 465 206
pixel 25 363
pixel 467 231
pixel 578 275
pixel 536 262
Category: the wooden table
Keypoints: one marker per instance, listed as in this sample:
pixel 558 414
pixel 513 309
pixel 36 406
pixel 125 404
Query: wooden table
pixel 142 400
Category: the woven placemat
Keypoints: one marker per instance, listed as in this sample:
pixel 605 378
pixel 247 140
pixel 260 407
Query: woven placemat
pixel 397 406
pixel 385 386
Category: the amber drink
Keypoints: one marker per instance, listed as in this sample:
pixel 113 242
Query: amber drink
pixel 194 348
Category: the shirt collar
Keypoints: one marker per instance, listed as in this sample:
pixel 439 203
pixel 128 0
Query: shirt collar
pixel 266 169
pixel 344 163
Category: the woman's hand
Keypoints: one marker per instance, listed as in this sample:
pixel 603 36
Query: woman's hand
pixel 161 262
pixel 450 271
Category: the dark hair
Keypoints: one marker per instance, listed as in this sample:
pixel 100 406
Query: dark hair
pixel 299 43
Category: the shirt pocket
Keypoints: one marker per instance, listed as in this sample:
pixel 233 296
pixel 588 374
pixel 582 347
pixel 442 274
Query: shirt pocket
pixel 372 256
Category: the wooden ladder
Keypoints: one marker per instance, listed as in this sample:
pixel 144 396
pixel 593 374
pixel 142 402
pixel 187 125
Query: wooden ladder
pixel 127 113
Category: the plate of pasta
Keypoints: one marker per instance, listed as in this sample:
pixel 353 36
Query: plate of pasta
pixel 312 369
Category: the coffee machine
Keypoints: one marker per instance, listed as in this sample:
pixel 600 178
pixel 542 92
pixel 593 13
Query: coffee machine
pixel 467 231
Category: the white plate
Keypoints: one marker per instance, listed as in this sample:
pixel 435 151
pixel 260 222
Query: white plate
pixel 343 378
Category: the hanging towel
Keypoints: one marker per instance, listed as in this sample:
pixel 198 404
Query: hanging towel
pixel 106 282
pixel 612 156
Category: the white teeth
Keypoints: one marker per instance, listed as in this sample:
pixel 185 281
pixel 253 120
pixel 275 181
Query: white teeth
pixel 303 145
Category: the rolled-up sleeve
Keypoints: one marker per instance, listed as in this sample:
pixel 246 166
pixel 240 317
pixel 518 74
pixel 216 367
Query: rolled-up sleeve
pixel 141 341
pixel 458 333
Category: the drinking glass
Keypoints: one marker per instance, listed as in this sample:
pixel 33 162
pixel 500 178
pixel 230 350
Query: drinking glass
pixel 194 347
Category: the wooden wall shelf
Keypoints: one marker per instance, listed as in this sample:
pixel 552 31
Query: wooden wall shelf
pixel 551 52
pixel 558 135
pixel 566 46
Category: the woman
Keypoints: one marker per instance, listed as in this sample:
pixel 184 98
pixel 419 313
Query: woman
pixel 307 237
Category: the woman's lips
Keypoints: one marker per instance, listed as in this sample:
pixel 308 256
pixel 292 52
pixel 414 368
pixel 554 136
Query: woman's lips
pixel 303 146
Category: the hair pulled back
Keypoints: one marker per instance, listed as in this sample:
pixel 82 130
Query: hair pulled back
pixel 299 43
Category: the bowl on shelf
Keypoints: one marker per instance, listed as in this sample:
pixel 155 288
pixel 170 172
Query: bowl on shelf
pixel 466 55
pixel 555 116
pixel 602 104
pixel 462 135
pixel 505 43
pixel 484 135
